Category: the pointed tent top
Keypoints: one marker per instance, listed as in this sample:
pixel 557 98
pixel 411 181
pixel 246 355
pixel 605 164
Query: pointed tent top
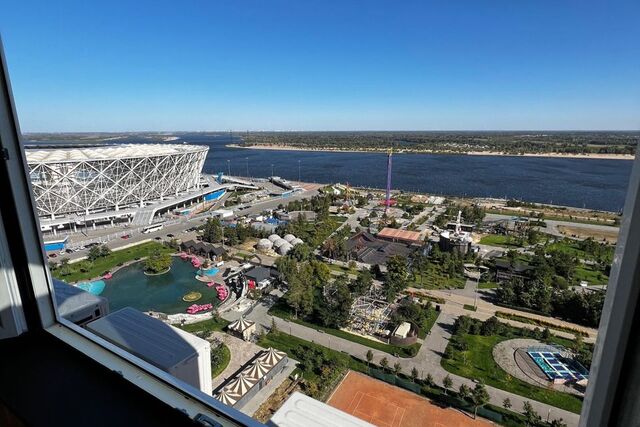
pixel 241 385
pixel 256 370
pixel 271 357
pixel 227 397
pixel 240 325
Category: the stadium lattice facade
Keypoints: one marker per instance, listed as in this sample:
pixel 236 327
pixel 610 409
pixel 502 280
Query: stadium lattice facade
pixel 84 180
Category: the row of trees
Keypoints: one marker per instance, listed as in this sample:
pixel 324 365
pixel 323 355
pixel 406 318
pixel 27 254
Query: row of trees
pixel 213 232
pixel 157 262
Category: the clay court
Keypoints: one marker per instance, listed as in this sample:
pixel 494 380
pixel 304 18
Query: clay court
pixel 384 405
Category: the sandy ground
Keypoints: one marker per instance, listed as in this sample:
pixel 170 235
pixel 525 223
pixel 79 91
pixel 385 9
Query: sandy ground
pixel 384 405
pixel 584 233
pixel 469 153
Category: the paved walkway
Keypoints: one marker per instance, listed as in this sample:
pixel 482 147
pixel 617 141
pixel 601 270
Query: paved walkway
pixel 427 361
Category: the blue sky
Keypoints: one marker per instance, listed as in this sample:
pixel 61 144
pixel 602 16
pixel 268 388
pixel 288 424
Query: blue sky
pixel 324 65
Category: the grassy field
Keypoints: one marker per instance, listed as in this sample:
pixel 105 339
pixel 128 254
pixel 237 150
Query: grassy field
pixel 487 285
pixel 403 351
pixel 85 270
pixel 341 269
pixel 433 278
pixel 536 322
pixel 226 358
pixel 469 307
pixel 210 325
pixel 591 275
pixel 499 240
pixel 478 363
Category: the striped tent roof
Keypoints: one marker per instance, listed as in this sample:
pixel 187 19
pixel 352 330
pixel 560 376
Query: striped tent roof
pixel 257 370
pixel 227 397
pixel 271 357
pixel 241 324
pixel 241 385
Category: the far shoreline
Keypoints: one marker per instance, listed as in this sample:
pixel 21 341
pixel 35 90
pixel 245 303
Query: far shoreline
pixel 594 156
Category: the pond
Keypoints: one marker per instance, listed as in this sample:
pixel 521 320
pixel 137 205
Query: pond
pixel 130 287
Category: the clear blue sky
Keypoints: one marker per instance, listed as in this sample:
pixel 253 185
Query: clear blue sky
pixel 324 65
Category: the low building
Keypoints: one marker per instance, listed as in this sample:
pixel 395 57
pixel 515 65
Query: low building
pixel 77 305
pixel 402 236
pixel 402 330
pixel 366 248
pixel 208 250
pixel 295 215
pixel 506 270
pixel 261 276
pixel 251 378
pixel 173 350
pixel 242 328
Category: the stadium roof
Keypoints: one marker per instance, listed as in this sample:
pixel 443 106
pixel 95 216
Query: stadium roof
pixel 107 152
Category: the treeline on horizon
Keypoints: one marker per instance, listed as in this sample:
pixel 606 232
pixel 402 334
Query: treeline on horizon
pixel 460 142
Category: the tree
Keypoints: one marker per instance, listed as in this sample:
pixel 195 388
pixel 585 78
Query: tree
pixel 397 368
pixel 506 403
pixel 212 231
pixel 369 356
pixel 65 268
pixel 157 262
pixel 531 416
pixel 97 252
pixel 429 380
pixel 464 392
pixel 301 252
pixel 557 423
pixel 480 397
pixel 414 374
pixel 384 363
pixel 447 382
pixel 396 277
pixel 274 326
pixel 362 283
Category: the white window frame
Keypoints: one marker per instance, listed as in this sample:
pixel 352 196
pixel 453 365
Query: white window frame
pixel 28 283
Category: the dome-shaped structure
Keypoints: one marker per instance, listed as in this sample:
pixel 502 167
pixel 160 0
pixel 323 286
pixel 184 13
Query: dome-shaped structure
pixel 274 237
pixel 289 237
pixel 241 385
pixel 279 243
pixel 296 241
pixel 284 248
pixel 264 244
pixel 256 370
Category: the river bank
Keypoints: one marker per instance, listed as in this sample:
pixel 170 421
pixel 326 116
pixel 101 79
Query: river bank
pixel 464 153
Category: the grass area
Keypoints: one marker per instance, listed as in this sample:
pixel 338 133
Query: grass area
pixel 281 311
pixel 224 362
pixel 210 325
pixel 591 275
pixel 434 278
pixel 499 240
pixel 568 218
pixel 428 324
pixel 478 363
pixel 542 323
pixel 86 269
pixel 469 307
pixel 288 344
pixel 487 285
pixel 341 269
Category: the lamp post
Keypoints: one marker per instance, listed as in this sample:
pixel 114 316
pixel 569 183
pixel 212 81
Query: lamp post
pixel 298 171
pixel 271 169
pixel 247 159
pixel 229 167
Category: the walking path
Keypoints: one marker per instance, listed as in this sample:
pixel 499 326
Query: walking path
pixel 427 361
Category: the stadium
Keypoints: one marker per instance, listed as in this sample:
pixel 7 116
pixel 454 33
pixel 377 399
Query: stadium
pixel 89 179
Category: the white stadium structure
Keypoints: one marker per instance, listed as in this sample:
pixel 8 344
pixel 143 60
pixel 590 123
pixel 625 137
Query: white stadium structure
pixel 87 179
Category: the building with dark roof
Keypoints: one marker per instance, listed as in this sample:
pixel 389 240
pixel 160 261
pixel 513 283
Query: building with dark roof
pixel 366 248
pixel 506 270
pixel 207 250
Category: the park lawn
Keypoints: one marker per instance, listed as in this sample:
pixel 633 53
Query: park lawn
pixel 499 240
pixel 591 275
pixel 209 325
pixel 540 323
pixel 288 343
pixel 101 265
pixel 469 307
pixel 226 358
pixel 341 269
pixel 481 366
pixel 433 278
pixel 487 285
pixel 428 324
pixel 280 311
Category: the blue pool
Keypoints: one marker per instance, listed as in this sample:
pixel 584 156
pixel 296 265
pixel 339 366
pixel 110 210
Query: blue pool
pixel 211 271
pixel 555 366
pixel 96 287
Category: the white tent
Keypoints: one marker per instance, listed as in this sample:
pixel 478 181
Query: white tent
pixel 241 385
pixel 289 237
pixel 241 325
pixel 256 370
pixel 227 397
pixel 271 357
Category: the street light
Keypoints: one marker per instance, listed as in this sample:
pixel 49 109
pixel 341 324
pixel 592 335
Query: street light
pixel 271 169
pixel 229 166
pixel 298 170
pixel 247 159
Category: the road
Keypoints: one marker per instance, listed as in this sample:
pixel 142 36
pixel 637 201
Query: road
pixel 427 361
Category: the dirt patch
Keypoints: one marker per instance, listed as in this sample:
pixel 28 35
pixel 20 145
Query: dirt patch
pixel 610 236
pixel 385 405
pixel 276 400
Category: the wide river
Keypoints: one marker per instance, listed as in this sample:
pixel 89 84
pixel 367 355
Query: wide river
pixel 590 183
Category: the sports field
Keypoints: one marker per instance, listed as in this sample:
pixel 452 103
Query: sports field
pixel 384 405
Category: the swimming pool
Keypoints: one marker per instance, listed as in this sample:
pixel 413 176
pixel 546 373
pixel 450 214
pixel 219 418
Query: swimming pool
pixel 211 271
pixel 96 287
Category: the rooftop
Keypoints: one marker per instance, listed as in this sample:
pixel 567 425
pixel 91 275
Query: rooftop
pixel 107 152
pixel 392 233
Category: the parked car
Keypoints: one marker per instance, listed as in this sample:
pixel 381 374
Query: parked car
pixel 170 235
pixel 69 251
pixel 158 238
pixel 52 255
pixel 126 236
